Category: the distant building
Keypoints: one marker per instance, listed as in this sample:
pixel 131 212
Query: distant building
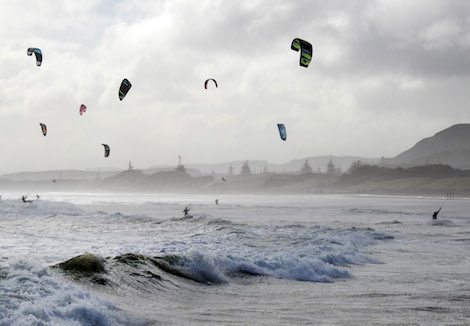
pixel 180 166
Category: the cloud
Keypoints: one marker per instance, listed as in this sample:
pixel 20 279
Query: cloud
pixel 382 73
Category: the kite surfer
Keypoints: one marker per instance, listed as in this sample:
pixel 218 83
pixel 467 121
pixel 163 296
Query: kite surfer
pixel 186 211
pixel 434 215
pixel 25 200
pixel 216 201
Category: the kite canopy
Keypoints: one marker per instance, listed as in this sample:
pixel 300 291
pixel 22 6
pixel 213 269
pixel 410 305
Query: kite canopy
pixel 106 150
pixel 43 128
pixel 282 131
pixel 207 81
pixel 82 109
pixel 37 53
pixel 125 87
pixel 305 51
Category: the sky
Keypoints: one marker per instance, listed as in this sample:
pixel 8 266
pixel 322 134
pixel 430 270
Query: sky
pixel 384 75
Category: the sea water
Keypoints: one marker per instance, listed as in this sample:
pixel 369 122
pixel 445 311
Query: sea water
pixel 251 260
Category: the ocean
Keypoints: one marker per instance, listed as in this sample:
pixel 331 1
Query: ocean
pixel 132 259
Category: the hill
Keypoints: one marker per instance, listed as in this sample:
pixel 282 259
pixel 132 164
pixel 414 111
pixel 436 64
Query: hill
pixel 318 163
pixel 450 146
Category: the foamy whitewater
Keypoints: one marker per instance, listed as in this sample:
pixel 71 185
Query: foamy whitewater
pixel 132 259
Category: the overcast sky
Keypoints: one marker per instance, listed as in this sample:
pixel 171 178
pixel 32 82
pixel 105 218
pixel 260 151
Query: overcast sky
pixel 384 75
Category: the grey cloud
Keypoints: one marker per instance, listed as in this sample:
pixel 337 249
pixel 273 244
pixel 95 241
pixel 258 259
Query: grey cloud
pixel 378 66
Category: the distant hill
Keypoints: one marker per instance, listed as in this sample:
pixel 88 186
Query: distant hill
pixel 196 170
pixel 320 162
pixel 257 166
pixel 58 175
pixel 450 146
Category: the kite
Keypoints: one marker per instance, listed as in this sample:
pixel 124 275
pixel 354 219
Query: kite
pixel 125 87
pixel 305 51
pixel 282 131
pixel 37 53
pixel 43 128
pixel 106 150
pixel 207 81
pixel 82 109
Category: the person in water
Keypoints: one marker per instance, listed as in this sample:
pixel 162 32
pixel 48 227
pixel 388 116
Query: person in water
pixel 434 215
pixel 216 201
pixel 186 211
pixel 23 198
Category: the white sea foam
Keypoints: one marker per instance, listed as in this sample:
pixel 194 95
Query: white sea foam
pixel 308 238
pixel 211 249
pixel 31 295
pixel 38 208
pixel 297 252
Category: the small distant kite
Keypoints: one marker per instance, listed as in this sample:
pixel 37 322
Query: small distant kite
pixel 82 109
pixel 125 87
pixel 305 51
pixel 37 53
pixel 207 81
pixel 282 131
pixel 43 129
pixel 106 150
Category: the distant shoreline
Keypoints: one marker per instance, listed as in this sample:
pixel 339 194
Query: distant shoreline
pixel 430 181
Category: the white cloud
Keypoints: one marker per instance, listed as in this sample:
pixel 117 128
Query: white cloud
pixel 378 66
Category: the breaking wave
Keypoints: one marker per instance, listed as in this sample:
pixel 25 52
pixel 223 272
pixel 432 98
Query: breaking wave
pixel 31 295
pixel 290 252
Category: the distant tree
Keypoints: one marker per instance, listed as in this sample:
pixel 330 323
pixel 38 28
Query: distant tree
pixel 306 168
pixel 230 170
pixel 330 167
pixel 245 170
pixel 356 166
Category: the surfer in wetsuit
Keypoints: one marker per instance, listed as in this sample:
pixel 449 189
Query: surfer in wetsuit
pixel 186 211
pixel 216 201
pixel 23 198
pixel 434 215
